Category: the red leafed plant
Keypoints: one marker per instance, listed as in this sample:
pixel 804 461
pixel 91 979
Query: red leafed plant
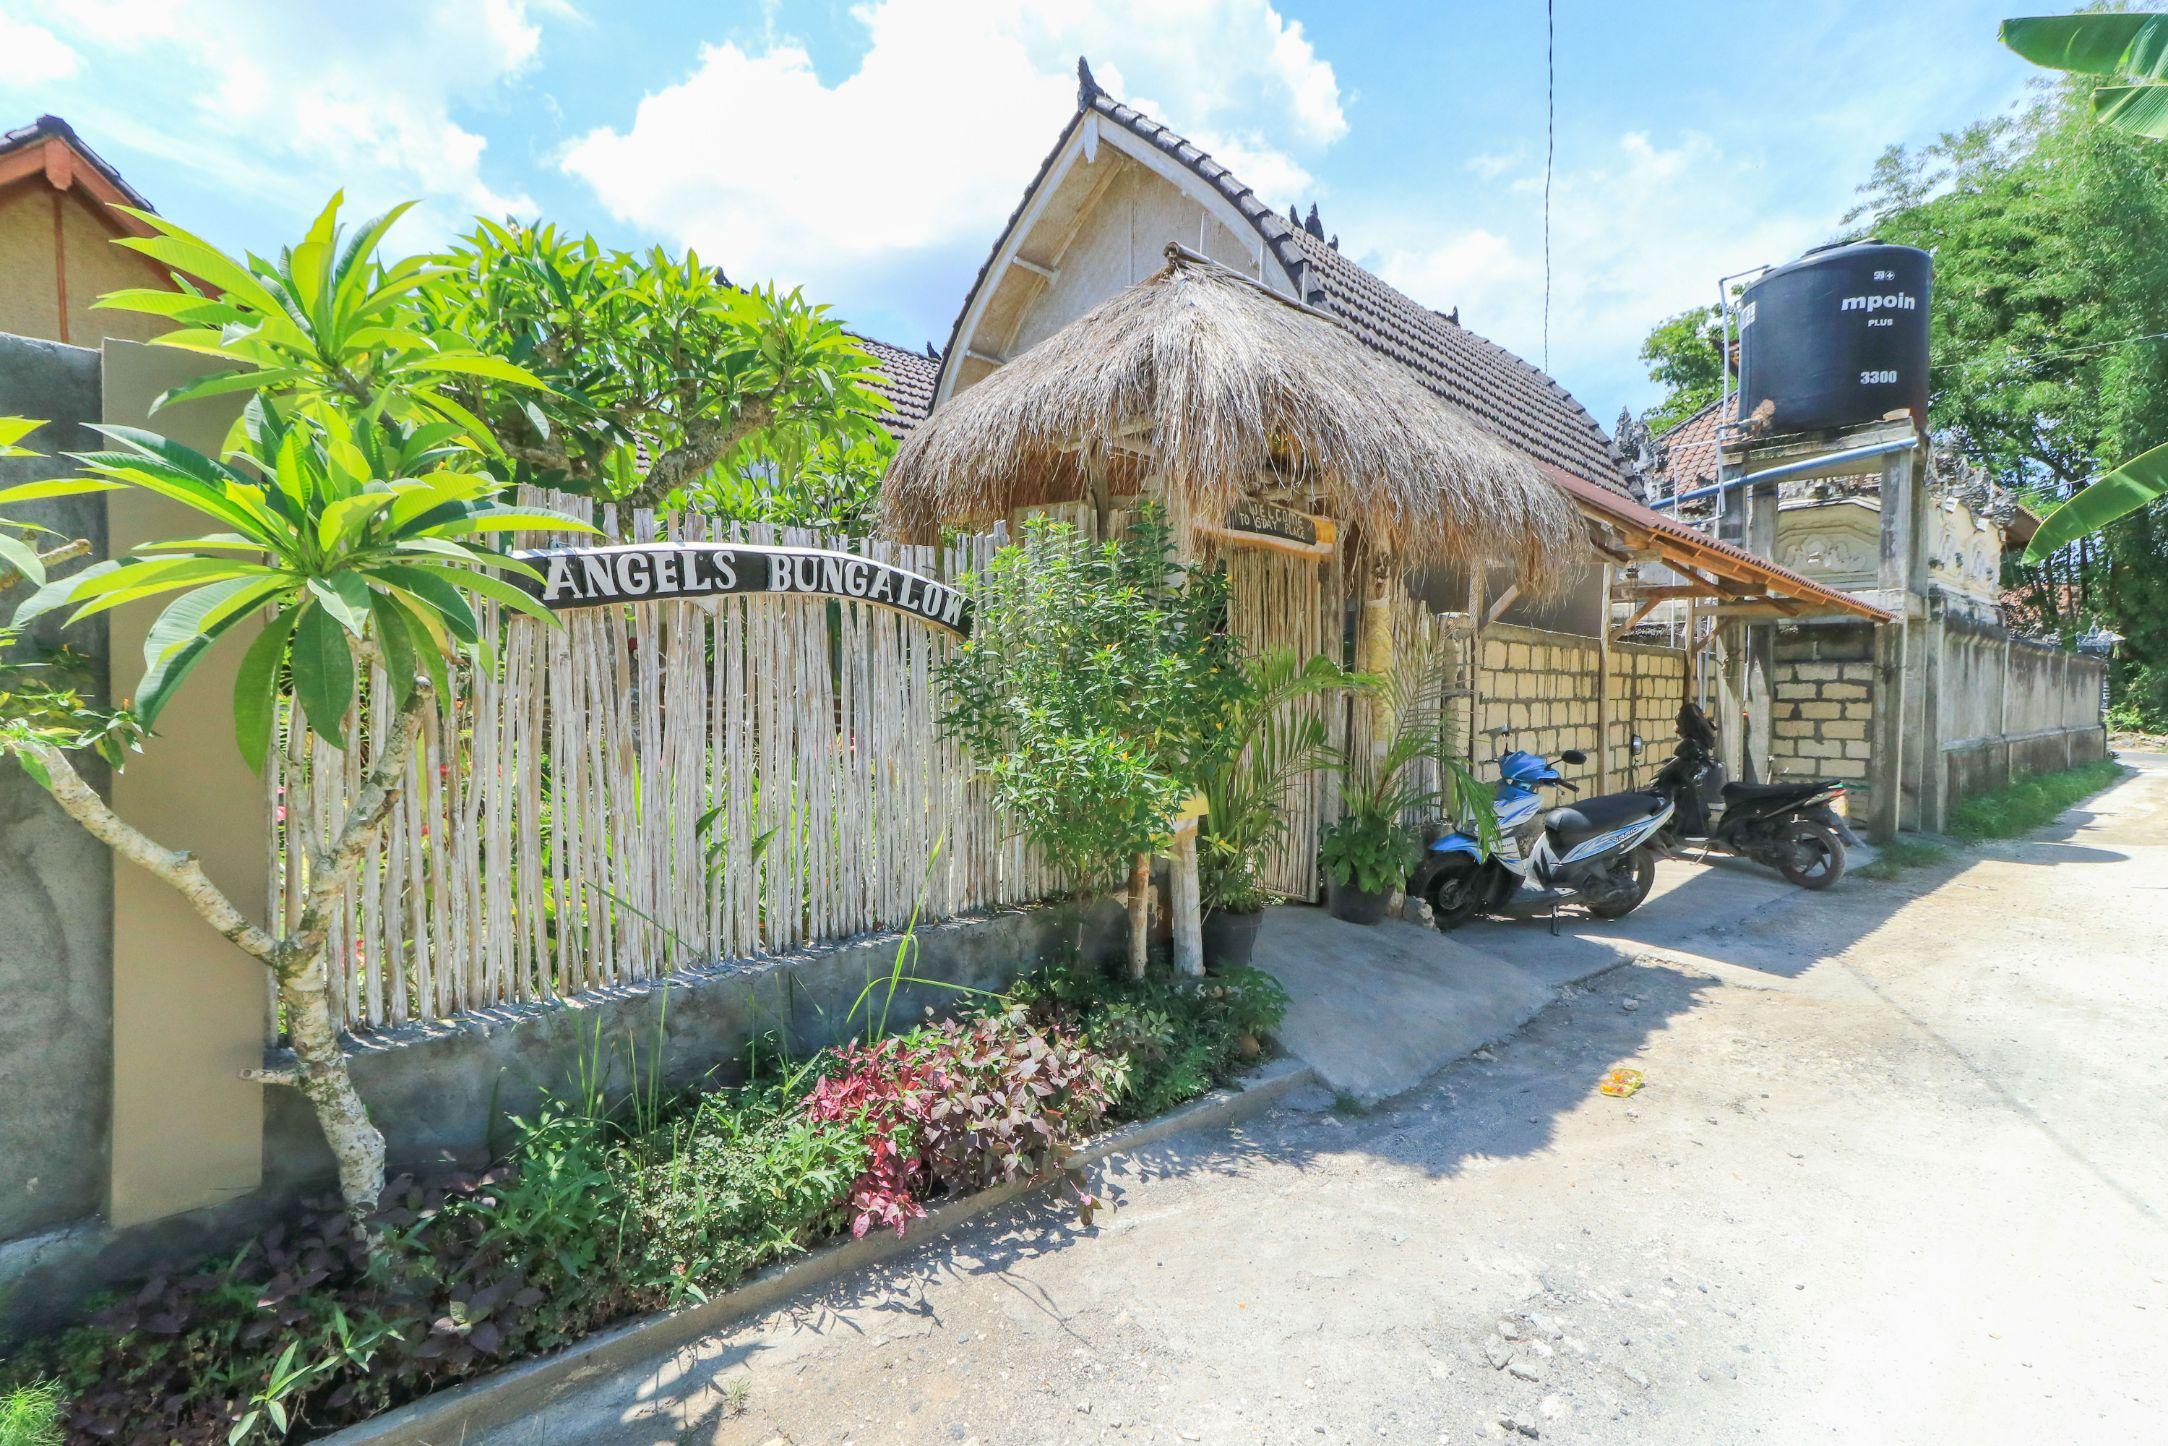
pixel 884 1089
pixel 964 1106
pixel 1011 1101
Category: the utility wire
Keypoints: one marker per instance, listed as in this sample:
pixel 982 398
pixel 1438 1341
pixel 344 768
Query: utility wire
pixel 1550 148
pixel 2026 356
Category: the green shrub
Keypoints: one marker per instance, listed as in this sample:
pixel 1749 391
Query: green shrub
pixel 1094 687
pixel 735 1185
pixel 1179 1037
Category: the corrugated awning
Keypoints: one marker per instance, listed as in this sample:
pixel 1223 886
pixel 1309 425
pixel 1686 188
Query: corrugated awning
pixel 1740 582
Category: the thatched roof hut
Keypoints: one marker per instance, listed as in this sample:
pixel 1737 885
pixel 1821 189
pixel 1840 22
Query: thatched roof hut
pixel 1221 389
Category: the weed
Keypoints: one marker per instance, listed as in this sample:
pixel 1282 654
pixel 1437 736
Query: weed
pixel 30 1415
pixel 1901 853
pixel 1344 1103
pixel 2029 801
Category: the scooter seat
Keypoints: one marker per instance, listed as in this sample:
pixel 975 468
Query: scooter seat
pixel 1769 792
pixel 1577 823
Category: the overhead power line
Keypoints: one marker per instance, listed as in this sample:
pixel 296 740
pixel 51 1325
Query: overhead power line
pixel 1550 148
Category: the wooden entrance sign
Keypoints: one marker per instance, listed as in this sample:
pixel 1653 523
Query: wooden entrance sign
pixel 581 577
pixel 1264 527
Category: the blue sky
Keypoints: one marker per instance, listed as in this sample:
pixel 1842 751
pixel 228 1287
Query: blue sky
pixel 870 151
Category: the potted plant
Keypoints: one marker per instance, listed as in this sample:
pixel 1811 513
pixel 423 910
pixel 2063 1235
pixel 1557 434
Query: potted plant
pixel 1367 856
pixel 1235 901
pixel 1265 745
pixel 1406 773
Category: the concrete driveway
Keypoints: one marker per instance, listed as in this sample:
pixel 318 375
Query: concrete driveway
pixel 1898 1174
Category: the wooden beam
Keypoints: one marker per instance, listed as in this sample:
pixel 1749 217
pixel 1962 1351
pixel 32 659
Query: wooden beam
pixel 1185 899
pixel 972 353
pixel 1660 591
pixel 1641 612
pixel 1498 608
pixel 1044 273
pixel 1603 697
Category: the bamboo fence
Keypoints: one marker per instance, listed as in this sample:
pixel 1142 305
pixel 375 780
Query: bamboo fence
pixel 647 788
pixel 652 787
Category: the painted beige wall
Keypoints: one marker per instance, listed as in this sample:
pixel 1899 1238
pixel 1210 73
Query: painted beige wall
pixel 29 300
pixel 97 266
pixel 189 1009
pixel 29 282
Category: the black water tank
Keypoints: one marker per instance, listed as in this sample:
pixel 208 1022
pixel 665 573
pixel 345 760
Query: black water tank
pixel 1837 337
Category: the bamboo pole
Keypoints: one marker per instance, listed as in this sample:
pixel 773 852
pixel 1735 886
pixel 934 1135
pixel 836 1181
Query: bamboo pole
pixel 1185 899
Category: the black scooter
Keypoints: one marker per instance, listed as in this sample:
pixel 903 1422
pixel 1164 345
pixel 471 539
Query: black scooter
pixel 1791 827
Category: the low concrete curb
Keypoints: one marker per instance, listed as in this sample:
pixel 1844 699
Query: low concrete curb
pixel 461 1412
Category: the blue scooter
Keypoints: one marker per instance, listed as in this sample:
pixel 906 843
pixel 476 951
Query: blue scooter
pixel 1600 853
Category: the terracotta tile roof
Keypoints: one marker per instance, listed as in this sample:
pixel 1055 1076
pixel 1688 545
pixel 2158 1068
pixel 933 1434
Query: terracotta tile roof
pixel 906 381
pixel 1676 538
pixel 1511 397
pixel 1687 454
pixel 1508 396
pixel 52 128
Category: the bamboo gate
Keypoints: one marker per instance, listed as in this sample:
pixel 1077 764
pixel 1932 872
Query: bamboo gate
pixel 654 787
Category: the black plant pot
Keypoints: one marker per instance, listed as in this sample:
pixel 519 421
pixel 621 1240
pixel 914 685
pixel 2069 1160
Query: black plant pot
pixel 1356 906
pixel 1230 938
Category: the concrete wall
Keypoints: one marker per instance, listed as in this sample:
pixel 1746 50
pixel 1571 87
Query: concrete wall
pixel 1993 706
pixel 56 881
pixel 189 1008
pixel 442 1092
pixel 2008 706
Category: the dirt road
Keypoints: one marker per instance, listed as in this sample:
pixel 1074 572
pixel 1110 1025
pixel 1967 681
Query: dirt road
pixel 1899 1174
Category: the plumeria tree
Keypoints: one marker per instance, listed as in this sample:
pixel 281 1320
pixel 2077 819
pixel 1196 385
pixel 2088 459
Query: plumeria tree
pixel 352 519
pixel 662 375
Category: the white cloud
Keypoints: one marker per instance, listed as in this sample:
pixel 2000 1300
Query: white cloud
pixel 34 54
pixel 295 99
pixel 901 171
pixel 1641 234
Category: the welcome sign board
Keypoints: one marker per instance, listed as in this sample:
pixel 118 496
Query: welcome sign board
pixel 581 577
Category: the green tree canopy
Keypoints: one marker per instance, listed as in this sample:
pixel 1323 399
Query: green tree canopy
pixel 1686 354
pixel 2049 360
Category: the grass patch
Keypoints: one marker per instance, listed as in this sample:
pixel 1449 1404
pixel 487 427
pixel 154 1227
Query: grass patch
pixel 1901 853
pixel 2029 801
pixel 30 1416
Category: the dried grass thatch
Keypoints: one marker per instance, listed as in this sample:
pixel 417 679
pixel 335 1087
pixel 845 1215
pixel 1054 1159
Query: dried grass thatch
pixel 1235 392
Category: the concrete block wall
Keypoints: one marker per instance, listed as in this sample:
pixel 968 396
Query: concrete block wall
pixel 1822 709
pixel 1647 685
pixel 1544 686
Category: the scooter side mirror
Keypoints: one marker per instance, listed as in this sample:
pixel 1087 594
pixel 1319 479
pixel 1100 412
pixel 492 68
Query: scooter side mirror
pixel 1638 744
pixel 1573 755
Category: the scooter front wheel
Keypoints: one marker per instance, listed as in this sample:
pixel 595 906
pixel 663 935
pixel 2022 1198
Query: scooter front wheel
pixel 1811 855
pixel 1456 894
pixel 1641 863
